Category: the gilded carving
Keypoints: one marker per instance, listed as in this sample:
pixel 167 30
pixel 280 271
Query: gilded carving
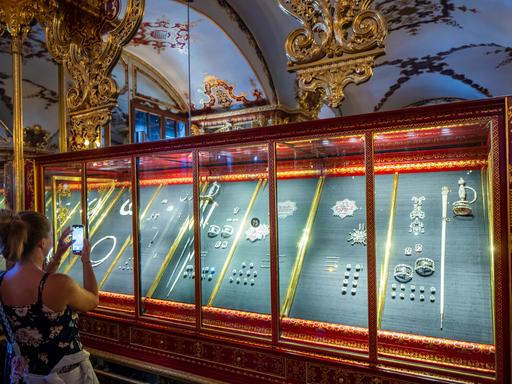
pixel 77 40
pixel 336 45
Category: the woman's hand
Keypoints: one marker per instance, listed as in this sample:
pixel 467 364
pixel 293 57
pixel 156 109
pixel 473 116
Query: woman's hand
pixel 63 244
pixel 86 252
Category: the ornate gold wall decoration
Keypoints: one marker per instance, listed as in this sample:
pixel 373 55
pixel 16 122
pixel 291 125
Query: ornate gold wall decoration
pixel 336 45
pixel 78 40
pixel 16 17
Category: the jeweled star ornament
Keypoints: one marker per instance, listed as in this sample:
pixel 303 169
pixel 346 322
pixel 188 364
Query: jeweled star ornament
pixel 286 208
pixel 358 236
pixel 344 208
pixel 257 233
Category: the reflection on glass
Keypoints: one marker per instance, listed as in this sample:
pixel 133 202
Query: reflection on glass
pixel 433 253
pixel 109 226
pixel 321 206
pixel 63 201
pixel 235 247
pixel 166 228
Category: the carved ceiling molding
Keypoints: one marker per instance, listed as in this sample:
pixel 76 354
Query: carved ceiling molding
pixel 79 41
pixel 336 45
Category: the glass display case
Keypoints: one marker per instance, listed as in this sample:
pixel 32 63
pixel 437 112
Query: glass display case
pixel 374 238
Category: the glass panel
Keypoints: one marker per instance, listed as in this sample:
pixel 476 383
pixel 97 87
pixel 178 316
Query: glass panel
pixel 321 203
pixel 166 235
pixel 63 203
pixel 235 247
pixel 141 126
pixel 109 223
pixel 170 129
pixel 433 252
pixel 154 127
pixel 182 129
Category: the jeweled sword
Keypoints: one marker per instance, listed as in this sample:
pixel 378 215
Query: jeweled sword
pixel 444 219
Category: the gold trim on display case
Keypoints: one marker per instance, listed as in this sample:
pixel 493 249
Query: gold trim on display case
pixel 127 242
pixel 387 253
pixel 303 246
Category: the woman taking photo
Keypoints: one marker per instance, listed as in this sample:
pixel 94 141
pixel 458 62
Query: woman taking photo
pixel 40 306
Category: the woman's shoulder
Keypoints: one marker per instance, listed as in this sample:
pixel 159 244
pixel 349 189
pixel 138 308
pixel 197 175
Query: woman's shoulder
pixel 59 281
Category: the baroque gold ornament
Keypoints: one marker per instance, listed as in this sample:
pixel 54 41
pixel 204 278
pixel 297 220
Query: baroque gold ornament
pixel 77 39
pixel 336 45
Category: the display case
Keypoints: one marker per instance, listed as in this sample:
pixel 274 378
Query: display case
pixel 367 245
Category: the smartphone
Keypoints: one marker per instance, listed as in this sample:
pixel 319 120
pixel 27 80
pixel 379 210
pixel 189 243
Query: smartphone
pixel 77 238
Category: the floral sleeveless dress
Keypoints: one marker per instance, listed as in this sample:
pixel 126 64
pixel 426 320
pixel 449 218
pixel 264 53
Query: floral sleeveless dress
pixel 44 336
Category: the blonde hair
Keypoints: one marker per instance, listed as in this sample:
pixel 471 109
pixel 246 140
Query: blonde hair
pixel 13 235
pixel 20 233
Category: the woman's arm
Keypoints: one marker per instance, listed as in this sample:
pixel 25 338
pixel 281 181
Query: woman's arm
pixel 62 246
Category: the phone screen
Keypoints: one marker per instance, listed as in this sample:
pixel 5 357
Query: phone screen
pixel 77 238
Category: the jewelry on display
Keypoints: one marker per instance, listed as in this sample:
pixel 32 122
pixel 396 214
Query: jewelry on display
pixel 353 291
pixel 411 296
pixel 345 282
pixel 359 267
pixel 358 236
pixel 432 290
pixel 444 194
pixel 413 287
pixel 213 231
pixel 424 266
pixel 95 263
pixel 433 299
pixel 416 227
pixel 418 248
pixel 243 264
pixel 238 280
pixel 251 265
pixel 257 233
pixel 227 231
pixel 255 222
pixel 236 210
pixel 393 294
pixel 462 206
pixel 344 290
pixel 402 295
pixel 286 208
pixel 211 193
pixel 206 220
pixel 403 273
pixel 185 275
pixel 255 274
pixel 349 267
pixel 393 286
pixel 217 244
pixel 422 297
pixel 245 281
pixel 418 200
pixel 248 273
pixel 354 283
pixel 125 212
pixel 356 275
pixel 164 201
pixel 234 271
pixel 344 208
pixel 252 281
pixel 212 270
pixel 402 287
pixel 170 208
pixel 347 275
pixel 422 289
pixel 231 279
pixel 408 251
pixel 240 272
pixel 417 212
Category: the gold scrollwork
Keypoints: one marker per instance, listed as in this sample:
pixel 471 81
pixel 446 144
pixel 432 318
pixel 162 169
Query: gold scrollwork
pixel 89 56
pixel 336 45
